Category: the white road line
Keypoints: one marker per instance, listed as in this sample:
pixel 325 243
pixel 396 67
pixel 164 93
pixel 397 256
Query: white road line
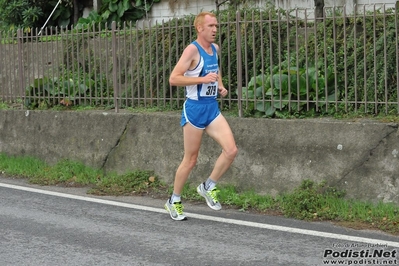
pixel 371 241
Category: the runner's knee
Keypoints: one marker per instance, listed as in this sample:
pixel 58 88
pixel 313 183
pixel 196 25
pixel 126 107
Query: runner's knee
pixel 231 153
pixel 190 162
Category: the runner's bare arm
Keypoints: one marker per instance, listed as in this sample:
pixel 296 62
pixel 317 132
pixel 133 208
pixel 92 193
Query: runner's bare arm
pixel 222 90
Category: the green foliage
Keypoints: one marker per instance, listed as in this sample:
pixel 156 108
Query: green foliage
pixel 126 184
pixel 345 61
pixel 94 19
pixel 33 13
pixel 76 174
pixel 260 32
pixel 153 61
pixel 12 12
pixel 309 201
pixel 78 81
pixel 306 69
pixel 3 105
pixel 63 14
pixel 21 166
pixel 290 88
pixel 246 200
pixel 118 11
pixel 356 48
pixel 69 173
pixel 46 92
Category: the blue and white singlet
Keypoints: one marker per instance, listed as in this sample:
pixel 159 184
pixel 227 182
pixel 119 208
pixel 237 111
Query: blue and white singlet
pixel 201 106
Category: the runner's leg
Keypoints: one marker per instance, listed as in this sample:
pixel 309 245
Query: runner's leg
pixel 192 140
pixel 221 132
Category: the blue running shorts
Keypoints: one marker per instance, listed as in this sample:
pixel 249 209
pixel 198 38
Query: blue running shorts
pixel 199 113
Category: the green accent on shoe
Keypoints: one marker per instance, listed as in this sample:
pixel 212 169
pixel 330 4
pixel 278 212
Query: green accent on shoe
pixel 210 197
pixel 175 210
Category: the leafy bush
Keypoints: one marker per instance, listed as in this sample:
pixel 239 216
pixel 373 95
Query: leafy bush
pixel 356 55
pixel 289 88
pixel 34 13
pixel 356 49
pixel 46 92
pixel 119 11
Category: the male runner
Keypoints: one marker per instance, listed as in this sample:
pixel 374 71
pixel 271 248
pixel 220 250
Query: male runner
pixel 198 70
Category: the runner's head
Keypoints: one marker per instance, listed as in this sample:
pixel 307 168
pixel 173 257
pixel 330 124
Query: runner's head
pixel 201 19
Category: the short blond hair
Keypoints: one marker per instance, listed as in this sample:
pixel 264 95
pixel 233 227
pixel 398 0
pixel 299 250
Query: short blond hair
pixel 199 19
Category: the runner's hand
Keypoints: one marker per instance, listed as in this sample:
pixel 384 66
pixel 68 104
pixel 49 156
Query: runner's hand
pixel 222 91
pixel 211 77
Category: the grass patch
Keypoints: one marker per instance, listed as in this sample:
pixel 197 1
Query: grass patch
pixel 3 106
pixel 74 174
pixel 133 183
pixel 310 201
pixel 67 173
pixel 21 166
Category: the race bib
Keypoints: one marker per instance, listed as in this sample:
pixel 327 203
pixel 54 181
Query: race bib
pixel 209 89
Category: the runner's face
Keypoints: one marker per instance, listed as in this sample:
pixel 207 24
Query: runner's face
pixel 209 28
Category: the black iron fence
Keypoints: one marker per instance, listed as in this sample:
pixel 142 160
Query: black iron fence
pixel 273 62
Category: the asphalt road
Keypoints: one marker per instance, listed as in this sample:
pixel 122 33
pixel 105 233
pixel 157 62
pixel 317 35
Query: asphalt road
pixel 64 226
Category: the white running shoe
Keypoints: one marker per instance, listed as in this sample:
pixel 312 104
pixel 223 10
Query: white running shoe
pixel 210 197
pixel 175 210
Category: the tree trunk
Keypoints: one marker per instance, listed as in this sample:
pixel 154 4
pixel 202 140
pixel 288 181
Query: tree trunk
pixel 97 5
pixel 75 12
pixel 319 11
pixel 217 6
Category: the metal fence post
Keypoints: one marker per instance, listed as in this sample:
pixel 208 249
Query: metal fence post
pixel 115 67
pixel 20 66
pixel 239 64
pixel 397 52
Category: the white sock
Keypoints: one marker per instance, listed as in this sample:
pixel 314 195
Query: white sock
pixel 174 198
pixel 209 184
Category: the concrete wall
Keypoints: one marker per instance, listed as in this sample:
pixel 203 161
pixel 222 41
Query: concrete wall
pixel 274 155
